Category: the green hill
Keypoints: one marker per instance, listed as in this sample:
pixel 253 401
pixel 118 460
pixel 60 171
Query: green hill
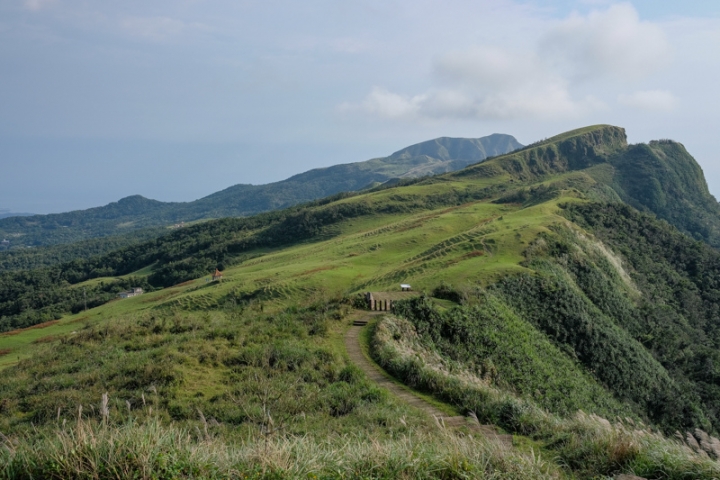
pixel 136 212
pixel 553 308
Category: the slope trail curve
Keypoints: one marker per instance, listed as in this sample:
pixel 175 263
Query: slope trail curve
pixel 374 373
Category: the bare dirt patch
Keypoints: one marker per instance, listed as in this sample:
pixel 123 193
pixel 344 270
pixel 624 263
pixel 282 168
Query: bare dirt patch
pixel 81 319
pixel 34 327
pixel 473 254
pixel 314 270
pixel 47 339
pixel 157 298
pixel 394 296
pixel 5 351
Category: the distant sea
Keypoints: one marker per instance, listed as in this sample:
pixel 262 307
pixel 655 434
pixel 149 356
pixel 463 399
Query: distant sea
pixel 5 213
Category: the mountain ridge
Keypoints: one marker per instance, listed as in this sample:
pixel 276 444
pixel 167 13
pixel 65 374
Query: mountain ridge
pixel 136 211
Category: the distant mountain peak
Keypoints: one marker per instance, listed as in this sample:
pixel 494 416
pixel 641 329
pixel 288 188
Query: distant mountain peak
pixel 451 148
pixel 135 199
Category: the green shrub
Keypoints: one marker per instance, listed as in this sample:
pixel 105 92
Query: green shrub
pixel 586 444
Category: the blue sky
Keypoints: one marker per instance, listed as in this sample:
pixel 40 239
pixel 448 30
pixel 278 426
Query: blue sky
pixel 176 99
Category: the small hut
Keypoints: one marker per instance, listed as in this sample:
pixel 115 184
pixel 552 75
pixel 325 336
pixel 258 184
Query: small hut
pixel 133 292
pixel 405 287
pixel 217 276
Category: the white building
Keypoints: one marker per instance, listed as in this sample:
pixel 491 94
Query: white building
pixel 131 293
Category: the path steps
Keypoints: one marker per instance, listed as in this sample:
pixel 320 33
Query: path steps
pixel 352 343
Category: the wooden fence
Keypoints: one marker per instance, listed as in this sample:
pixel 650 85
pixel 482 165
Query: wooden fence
pixel 381 305
pixel 378 304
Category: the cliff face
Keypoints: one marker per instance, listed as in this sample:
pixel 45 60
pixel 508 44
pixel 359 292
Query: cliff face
pixel 663 178
pixel 660 177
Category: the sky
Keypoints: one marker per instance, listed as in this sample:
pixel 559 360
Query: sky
pixel 177 99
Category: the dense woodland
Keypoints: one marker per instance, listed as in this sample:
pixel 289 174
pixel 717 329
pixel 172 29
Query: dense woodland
pixel 30 258
pixel 662 178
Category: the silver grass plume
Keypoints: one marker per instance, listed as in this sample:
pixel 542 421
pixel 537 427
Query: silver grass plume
pixel 104 410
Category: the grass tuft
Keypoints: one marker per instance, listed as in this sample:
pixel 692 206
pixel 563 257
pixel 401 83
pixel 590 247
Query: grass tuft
pixel 154 451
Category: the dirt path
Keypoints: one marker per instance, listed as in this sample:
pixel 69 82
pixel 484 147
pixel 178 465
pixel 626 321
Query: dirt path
pixel 373 371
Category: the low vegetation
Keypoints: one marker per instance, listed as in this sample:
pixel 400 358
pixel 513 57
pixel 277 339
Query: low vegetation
pixel 563 305
pixel 150 450
pixel 235 366
pixel 589 162
pixel 227 394
pixel 586 328
pixel 585 444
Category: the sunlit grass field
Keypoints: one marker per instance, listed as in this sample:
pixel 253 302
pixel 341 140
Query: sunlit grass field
pixel 476 242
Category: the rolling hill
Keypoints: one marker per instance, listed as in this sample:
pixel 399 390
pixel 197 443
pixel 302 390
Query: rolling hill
pixel 137 212
pixel 557 300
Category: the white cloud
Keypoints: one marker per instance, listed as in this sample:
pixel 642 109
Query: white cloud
pixel 483 83
pixel 155 28
pixel 610 42
pixel 36 5
pixel 382 103
pixel 652 100
pixel 486 67
pixel 548 80
pixel 548 102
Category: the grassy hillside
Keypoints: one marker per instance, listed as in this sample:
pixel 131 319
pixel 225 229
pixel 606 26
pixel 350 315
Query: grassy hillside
pixel 136 212
pixel 642 323
pixel 558 301
pixel 587 445
pixel 661 177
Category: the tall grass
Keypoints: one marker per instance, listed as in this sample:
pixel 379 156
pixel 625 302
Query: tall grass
pixel 586 444
pixel 91 450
